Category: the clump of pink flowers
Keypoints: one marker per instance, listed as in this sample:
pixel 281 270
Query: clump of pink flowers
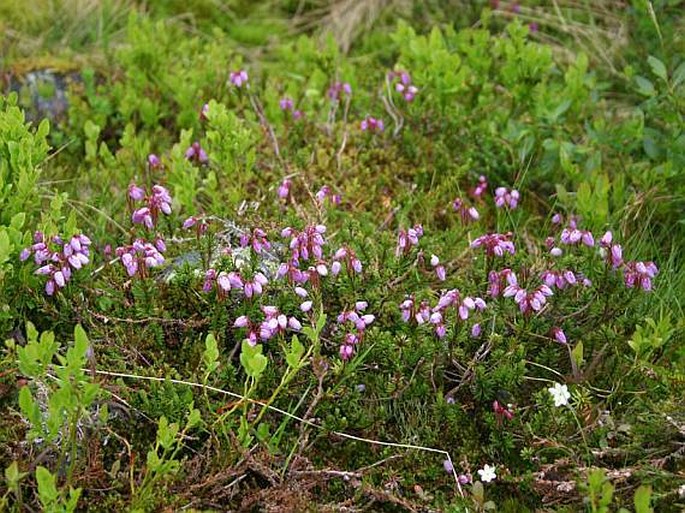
pixel 346 255
pixel 495 244
pixel 274 323
pixel 572 235
pixel 201 224
pixel 225 282
pixel 438 268
pixel 499 280
pixel 306 247
pixel 287 105
pixel 506 198
pixel 466 213
pixel 158 200
pixel 562 279
pixel 406 239
pixel 238 78
pixel 361 321
pixel 327 193
pixel 196 154
pixel 528 302
pixel 479 190
pixel 57 258
pixel 371 124
pixel 256 240
pixel 437 316
pixel 337 89
pixel 284 188
pixel 639 274
pixel 403 85
pixel 153 161
pixel 613 252
pixel 140 256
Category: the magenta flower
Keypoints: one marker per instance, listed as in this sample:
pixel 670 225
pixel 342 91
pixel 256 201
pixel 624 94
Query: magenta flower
pixel 404 85
pixel 257 240
pixel 346 352
pixel 284 188
pixel 204 111
pixel 495 244
pixel 615 256
pixel 466 213
pixel 560 279
pixel 479 190
pixel 372 124
pixel 606 239
pixel 286 104
pixel 136 193
pixel 559 335
pixel 439 268
pixel 406 239
pixel 572 235
pixel 159 200
pixel 528 302
pixel 349 257
pixel 57 258
pixel 238 78
pixel 498 281
pixel 639 274
pixel 196 154
pixel 506 198
pixel 153 161
pixel 336 90
pixel 502 412
pixel 140 256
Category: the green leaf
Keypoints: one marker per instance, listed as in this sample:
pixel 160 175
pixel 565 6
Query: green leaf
pixel 5 246
pixel 658 68
pixel 478 491
pixel 47 489
pixel 320 323
pixel 17 220
pixel 252 359
pixel 78 354
pixel 194 418
pixel 210 356
pixel 29 408
pixel 643 496
pixel 679 75
pixel 13 476
pixel 577 354
pixel 294 356
pixel 644 86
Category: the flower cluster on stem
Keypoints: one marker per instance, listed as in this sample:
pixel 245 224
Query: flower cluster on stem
pixel 57 258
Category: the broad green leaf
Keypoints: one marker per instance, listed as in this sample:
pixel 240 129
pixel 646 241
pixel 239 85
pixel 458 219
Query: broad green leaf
pixel 679 75
pixel 210 356
pixel 658 67
pixel 643 496
pixel 294 356
pixel 577 354
pixel 47 489
pixel 644 86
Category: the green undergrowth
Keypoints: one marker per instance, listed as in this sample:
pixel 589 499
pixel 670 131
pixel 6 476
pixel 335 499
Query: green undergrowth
pixel 173 366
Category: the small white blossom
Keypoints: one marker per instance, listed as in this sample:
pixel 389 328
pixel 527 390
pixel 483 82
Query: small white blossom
pixel 487 474
pixel 560 394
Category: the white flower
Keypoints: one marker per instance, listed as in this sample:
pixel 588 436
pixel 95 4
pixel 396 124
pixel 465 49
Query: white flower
pixel 560 394
pixel 487 474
